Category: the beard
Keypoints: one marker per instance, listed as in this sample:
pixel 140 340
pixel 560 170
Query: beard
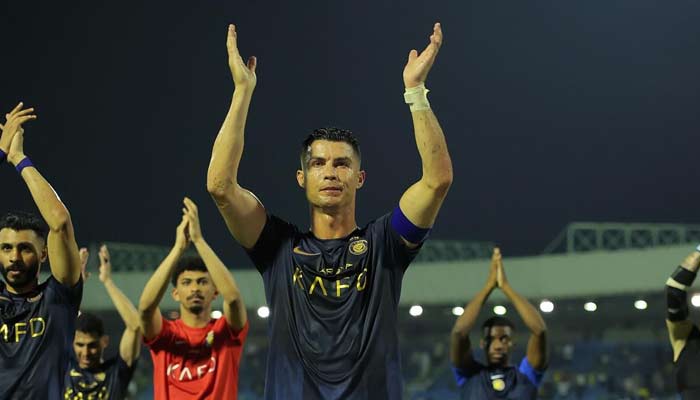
pixel 196 309
pixel 27 274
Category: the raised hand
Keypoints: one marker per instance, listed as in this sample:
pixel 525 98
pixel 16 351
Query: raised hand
pixel 243 73
pixel 105 264
pixel 500 272
pixel 182 239
pixel 192 215
pixel 13 126
pixel 84 255
pixel 416 70
pixel 492 280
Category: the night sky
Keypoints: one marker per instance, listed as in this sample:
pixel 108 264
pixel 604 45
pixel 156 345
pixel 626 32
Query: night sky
pixel 553 111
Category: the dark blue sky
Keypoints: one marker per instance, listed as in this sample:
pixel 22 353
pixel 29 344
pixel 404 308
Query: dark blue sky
pixel 553 111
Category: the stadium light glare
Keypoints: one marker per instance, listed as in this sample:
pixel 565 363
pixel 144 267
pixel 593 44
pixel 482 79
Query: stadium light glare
pixel 640 305
pixel 415 311
pixel 457 311
pixel 546 306
pixel 695 300
pixel 499 310
pixel 590 306
pixel 216 314
pixel 263 312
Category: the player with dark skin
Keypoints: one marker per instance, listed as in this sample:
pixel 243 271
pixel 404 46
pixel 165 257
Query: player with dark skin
pixel 497 377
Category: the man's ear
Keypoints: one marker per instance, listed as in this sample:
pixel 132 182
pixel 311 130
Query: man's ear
pixel 300 178
pixel 104 341
pixel 175 294
pixel 361 179
pixel 44 254
pixel 482 344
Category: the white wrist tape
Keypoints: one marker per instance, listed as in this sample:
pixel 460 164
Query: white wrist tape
pixel 698 248
pixel 417 98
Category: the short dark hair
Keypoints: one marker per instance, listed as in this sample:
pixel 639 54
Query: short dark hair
pixel 495 321
pixel 332 134
pixel 192 263
pixel 90 324
pixel 20 221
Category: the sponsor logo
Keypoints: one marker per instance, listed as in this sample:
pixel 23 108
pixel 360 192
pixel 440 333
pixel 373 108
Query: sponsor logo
pixel 298 250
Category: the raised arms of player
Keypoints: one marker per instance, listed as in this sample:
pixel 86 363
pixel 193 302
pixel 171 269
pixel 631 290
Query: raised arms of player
pixel 460 346
pixel 234 309
pixel 422 201
pixel 537 344
pixel 677 322
pixel 130 344
pixel 149 313
pixel 242 211
pixel 63 250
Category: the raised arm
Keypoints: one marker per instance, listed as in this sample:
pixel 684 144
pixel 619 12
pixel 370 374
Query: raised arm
pixel 149 313
pixel 461 353
pixel 234 309
pixel 243 213
pixel 64 258
pixel 130 344
pixel 677 322
pixel 537 344
pixel 421 202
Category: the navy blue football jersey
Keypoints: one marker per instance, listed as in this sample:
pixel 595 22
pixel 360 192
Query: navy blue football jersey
pixel 36 339
pixel 109 381
pixel 687 366
pixel 486 383
pixel 333 311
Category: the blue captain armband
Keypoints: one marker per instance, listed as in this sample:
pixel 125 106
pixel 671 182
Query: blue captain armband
pixel 406 228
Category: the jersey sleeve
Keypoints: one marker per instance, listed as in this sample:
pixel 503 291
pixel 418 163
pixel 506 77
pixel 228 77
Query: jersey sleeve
pixel 222 327
pixel 271 242
pixel 69 295
pixel 125 372
pixel 463 375
pixel 530 372
pixel 165 337
pixel 396 252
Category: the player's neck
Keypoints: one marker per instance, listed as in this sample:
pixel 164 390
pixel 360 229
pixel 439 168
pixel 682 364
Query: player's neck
pixel 333 224
pixel 195 320
pixel 28 288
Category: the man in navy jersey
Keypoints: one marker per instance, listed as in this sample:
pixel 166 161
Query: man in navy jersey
pixel 683 333
pixel 497 379
pixel 90 376
pixel 333 290
pixel 37 321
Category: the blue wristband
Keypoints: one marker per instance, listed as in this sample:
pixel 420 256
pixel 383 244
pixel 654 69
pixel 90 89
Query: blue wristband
pixel 26 162
pixel 3 155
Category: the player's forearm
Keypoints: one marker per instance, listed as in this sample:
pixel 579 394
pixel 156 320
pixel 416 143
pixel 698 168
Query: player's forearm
pixel 432 147
pixel 531 317
pixel 466 321
pixel 228 147
pixel 677 287
pixel 47 201
pixel 155 287
pixel 126 310
pixel 220 275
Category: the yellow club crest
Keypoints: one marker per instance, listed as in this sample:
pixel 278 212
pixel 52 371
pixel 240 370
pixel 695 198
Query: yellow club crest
pixel 498 384
pixel 358 247
pixel 210 338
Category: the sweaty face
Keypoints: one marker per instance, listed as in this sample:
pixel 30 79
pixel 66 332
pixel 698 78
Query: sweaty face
pixel 331 175
pixel 21 254
pixel 88 349
pixel 195 291
pixel 500 344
